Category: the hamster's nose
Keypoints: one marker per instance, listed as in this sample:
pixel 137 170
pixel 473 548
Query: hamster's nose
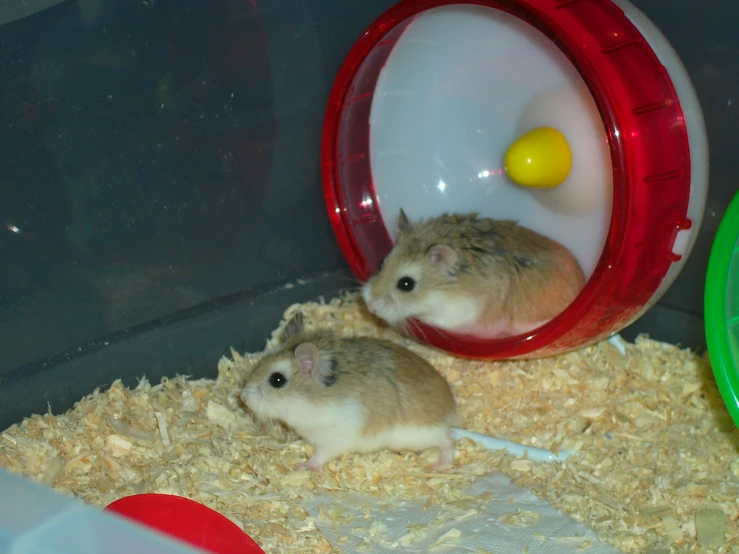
pixel 379 304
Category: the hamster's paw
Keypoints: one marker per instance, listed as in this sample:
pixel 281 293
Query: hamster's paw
pixel 313 464
pixel 446 457
pixel 440 466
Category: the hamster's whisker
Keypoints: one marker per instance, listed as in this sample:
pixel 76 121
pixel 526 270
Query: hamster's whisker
pixel 405 328
pixel 420 332
pixel 425 336
pixel 444 333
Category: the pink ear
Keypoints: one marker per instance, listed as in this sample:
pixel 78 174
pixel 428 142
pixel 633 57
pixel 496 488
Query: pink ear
pixel 306 354
pixel 403 223
pixel 442 255
pixel 295 326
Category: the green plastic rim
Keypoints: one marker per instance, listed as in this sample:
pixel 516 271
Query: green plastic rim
pixel 721 308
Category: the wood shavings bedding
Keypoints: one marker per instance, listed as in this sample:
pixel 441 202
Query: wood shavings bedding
pixel 656 467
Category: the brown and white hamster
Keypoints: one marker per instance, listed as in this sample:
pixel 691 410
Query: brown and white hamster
pixel 352 395
pixel 472 275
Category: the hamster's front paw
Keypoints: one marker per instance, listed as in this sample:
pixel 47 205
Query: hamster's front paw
pixel 313 464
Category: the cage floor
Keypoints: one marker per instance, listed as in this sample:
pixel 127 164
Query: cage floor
pixel 655 470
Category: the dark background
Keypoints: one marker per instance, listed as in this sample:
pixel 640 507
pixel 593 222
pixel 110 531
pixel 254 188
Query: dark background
pixel 160 181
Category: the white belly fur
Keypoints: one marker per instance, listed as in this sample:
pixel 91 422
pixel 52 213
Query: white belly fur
pixel 337 428
pixel 328 427
pixel 400 438
pixel 452 312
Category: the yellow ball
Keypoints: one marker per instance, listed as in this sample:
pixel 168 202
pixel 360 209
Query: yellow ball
pixel 541 159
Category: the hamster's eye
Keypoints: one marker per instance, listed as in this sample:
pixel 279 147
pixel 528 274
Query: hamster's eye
pixel 406 284
pixel 277 380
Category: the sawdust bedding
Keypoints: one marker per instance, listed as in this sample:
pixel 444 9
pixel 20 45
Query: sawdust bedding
pixel 655 469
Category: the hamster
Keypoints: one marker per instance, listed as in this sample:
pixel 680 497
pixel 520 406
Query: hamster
pixel 473 276
pixel 352 395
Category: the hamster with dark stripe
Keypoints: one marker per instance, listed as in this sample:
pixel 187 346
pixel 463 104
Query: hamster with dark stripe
pixel 473 276
pixel 352 395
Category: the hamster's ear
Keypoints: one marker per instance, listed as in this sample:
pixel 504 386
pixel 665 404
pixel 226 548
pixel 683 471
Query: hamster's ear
pixel 403 223
pixel 309 363
pixel 295 326
pixel 442 255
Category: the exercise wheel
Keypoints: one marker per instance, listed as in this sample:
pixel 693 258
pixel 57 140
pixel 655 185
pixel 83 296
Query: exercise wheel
pixel 574 117
pixel 186 521
pixel 721 308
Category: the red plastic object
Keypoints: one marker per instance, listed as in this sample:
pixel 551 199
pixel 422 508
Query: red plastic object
pixel 649 150
pixel 186 520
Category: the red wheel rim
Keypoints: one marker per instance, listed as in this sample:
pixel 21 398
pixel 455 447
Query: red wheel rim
pixel 648 142
pixel 186 520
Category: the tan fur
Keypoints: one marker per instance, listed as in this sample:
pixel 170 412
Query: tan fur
pixel 521 277
pixel 353 394
pixel 393 384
